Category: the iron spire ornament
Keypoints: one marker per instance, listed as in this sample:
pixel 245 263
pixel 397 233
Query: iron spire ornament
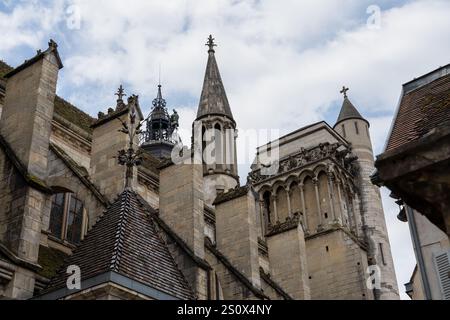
pixel 130 157
pixel 120 93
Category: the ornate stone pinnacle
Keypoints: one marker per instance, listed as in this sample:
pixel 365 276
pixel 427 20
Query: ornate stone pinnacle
pixel 120 93
pixel 211 43
pixel 344 91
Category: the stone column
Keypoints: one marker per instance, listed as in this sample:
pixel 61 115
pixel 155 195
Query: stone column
pixel 305 215
pixel 319 210
pixel 355 216
pixel 340 203
pixel 275 212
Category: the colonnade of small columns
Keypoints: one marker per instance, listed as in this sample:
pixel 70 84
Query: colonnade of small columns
pixel 317 196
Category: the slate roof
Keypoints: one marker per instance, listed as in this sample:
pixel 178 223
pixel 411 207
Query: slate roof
pixel 348 111
pixel 125 241
pixel 213 99
pixel 425 104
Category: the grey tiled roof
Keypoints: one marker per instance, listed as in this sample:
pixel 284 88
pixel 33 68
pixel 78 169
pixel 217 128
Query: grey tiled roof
pixel 213 99
pixel 125 241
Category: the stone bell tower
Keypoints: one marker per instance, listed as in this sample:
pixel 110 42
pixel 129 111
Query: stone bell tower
pixel 218 132
pixel 355 129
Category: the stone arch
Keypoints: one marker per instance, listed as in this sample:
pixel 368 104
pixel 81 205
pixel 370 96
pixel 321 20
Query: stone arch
pixel 282 203
pixel 291 179
pixel 277 184
pixel 305 174
pixel 321 167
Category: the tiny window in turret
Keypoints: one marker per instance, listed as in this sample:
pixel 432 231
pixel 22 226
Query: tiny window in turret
pixel 356 127
pixel 343 131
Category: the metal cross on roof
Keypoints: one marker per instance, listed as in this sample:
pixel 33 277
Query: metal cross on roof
pixel 120 93
pixel 344 91
pixel 211 43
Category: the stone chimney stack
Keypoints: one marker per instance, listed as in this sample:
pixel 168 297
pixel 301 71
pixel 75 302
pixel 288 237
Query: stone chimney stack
pixel 107 140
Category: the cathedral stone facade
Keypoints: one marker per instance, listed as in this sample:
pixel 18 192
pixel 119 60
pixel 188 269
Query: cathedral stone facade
pixel 101 201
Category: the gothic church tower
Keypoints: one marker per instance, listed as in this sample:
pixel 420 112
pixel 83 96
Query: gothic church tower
pixel 355 129
pixel 218 132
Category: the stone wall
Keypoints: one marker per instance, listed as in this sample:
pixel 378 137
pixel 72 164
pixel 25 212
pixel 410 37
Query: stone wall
pixel 288 262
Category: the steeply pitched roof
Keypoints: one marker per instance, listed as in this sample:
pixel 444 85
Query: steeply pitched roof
pixel 125 241
pixel 348 111
pixel 62 107
pixel 213 99
pixel 425 104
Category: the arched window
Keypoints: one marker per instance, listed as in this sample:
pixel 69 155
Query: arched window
pixel 67 217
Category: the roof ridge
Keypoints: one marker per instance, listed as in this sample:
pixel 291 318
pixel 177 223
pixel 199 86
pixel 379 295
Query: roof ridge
pixel 125 207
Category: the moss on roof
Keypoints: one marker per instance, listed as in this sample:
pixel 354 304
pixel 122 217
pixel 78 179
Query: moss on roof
pixel 63 108
pixel 50 260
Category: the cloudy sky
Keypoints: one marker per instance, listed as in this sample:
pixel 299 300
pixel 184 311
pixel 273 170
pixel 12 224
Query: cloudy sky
pixel 282 62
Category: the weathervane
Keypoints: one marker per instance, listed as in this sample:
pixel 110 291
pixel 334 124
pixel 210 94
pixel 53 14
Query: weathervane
pixel 344 91
pixel 211 43
pixel 130 157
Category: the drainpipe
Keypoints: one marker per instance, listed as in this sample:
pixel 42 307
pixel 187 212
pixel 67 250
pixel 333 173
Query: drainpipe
pixel 418 251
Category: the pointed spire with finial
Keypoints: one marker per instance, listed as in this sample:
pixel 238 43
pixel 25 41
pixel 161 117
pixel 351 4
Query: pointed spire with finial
pixel 213 99
pixel 211 44
pixel 348 110
pixel 120 94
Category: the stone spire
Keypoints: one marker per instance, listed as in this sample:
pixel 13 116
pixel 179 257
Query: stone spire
pixel 348 110
pixel 213 100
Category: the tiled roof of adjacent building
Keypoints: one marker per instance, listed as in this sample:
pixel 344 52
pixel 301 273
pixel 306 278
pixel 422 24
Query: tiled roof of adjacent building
pixel 425 104
pixel 62 107
pixel 125 241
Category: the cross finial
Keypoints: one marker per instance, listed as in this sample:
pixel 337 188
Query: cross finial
pixel 211 43
pixel 120 93
pixel 344 91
